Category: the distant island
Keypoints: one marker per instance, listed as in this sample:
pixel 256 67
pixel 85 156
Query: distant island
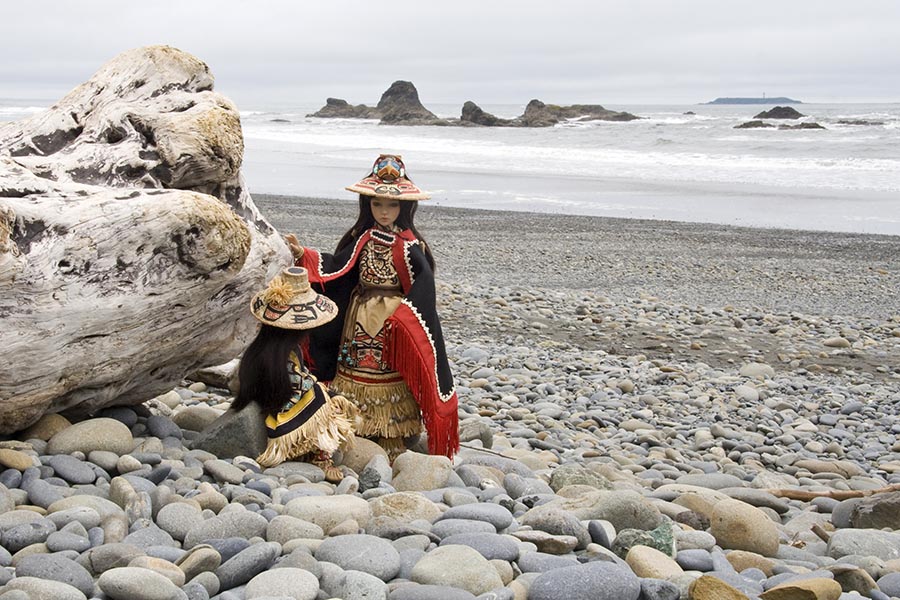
pixel 778 100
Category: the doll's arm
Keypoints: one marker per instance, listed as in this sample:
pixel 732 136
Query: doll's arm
pixel 294 244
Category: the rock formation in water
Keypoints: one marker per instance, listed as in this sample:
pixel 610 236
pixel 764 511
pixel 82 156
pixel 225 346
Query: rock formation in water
pixel 129 245
pixel 780 112
pixel 472 114
pixel 399 105
pixel 753 125
pixel 538 114
pixel 801 126
pixel 341 109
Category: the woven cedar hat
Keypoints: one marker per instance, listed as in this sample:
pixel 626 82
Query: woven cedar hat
pixel 290 303
pixel 388 180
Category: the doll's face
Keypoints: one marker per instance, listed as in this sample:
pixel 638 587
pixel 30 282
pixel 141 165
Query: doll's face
pixel 385 211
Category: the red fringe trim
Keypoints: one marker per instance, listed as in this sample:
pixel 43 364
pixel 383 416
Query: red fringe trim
pixel 407 350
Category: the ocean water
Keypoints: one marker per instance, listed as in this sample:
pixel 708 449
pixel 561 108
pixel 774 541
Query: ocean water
pixel 668 165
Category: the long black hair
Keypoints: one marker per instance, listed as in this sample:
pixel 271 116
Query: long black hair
pixel 263 373
pixel 365 221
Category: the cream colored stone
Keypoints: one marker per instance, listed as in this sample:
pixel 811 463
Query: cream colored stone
pixel 405 507
pixel 14 459
pixel 741 559
pixel 805 589
pixel 161 566
pixel 737 525
pixel 708 587
pixel 650 562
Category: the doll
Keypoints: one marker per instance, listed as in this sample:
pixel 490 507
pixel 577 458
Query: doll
pixel 303 418
pixel 385 352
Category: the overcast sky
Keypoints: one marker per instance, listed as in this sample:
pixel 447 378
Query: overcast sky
pixel 489 51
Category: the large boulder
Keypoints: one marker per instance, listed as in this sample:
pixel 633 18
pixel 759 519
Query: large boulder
pixel 129 245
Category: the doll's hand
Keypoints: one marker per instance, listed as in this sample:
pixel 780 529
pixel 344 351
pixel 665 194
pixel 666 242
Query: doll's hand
pixel 294 244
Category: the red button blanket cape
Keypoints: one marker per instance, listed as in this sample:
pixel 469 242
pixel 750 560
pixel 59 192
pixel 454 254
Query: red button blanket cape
pixel 414 342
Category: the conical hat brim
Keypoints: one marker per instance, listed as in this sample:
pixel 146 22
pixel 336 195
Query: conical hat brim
pixel 306 311
pixel 399 189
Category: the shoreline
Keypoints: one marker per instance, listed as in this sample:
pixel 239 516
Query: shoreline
pixel 818 272
pixel 689 293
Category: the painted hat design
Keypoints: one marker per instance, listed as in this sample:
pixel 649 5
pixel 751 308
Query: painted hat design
pixel 290 303
pixel 388 179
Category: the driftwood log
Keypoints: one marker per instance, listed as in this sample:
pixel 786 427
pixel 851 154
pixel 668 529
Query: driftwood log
pixel 806 496
pixel 129 245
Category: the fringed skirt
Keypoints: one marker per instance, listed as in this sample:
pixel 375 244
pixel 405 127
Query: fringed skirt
pixel 385 404
pixel 323 424
pixel 387 408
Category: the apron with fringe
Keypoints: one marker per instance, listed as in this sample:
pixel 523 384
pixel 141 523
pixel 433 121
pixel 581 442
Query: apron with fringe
pixel 312 421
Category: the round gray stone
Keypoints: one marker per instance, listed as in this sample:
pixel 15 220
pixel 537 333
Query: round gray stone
pixel 415 591
pixel 163 427
pixel 150 536
pixel 60 541
pixel 71 469
pixel 195 591
pixel 712 481
pixel 56 568
pixel 890 584
pixel 247 564
pixel 356 585
pixel 539 562
pixel 288 582
pixel 41 589
pixel 591 581
pixel 284 528
pixel 43 494
pixel 659 589
pixel 694 560
pixel 494 514
pixel 557 522
pixel 447 527
pixel 178 518
pixel 109 556
pixel 361 552
pixel 88 517
pixel 134 583
pixel 243 524
pixel 25 534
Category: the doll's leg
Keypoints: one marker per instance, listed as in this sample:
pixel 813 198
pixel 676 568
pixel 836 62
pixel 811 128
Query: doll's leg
pixel 394 446
pixel 323 461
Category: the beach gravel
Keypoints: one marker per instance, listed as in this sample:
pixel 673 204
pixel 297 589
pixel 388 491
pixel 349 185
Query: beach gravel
pixel 624 386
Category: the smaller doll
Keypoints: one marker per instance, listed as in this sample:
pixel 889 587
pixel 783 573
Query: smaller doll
pixel 303 419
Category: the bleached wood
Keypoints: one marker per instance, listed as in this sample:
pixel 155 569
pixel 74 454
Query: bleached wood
pixel 129 245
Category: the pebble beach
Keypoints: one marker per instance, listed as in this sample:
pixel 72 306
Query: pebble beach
pixel 649 410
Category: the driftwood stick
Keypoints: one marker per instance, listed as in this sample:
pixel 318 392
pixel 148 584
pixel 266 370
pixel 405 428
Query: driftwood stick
pixel 806 496
pixel 477 449
pixel 819 531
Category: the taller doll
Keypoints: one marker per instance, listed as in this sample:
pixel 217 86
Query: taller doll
pixel 385 351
